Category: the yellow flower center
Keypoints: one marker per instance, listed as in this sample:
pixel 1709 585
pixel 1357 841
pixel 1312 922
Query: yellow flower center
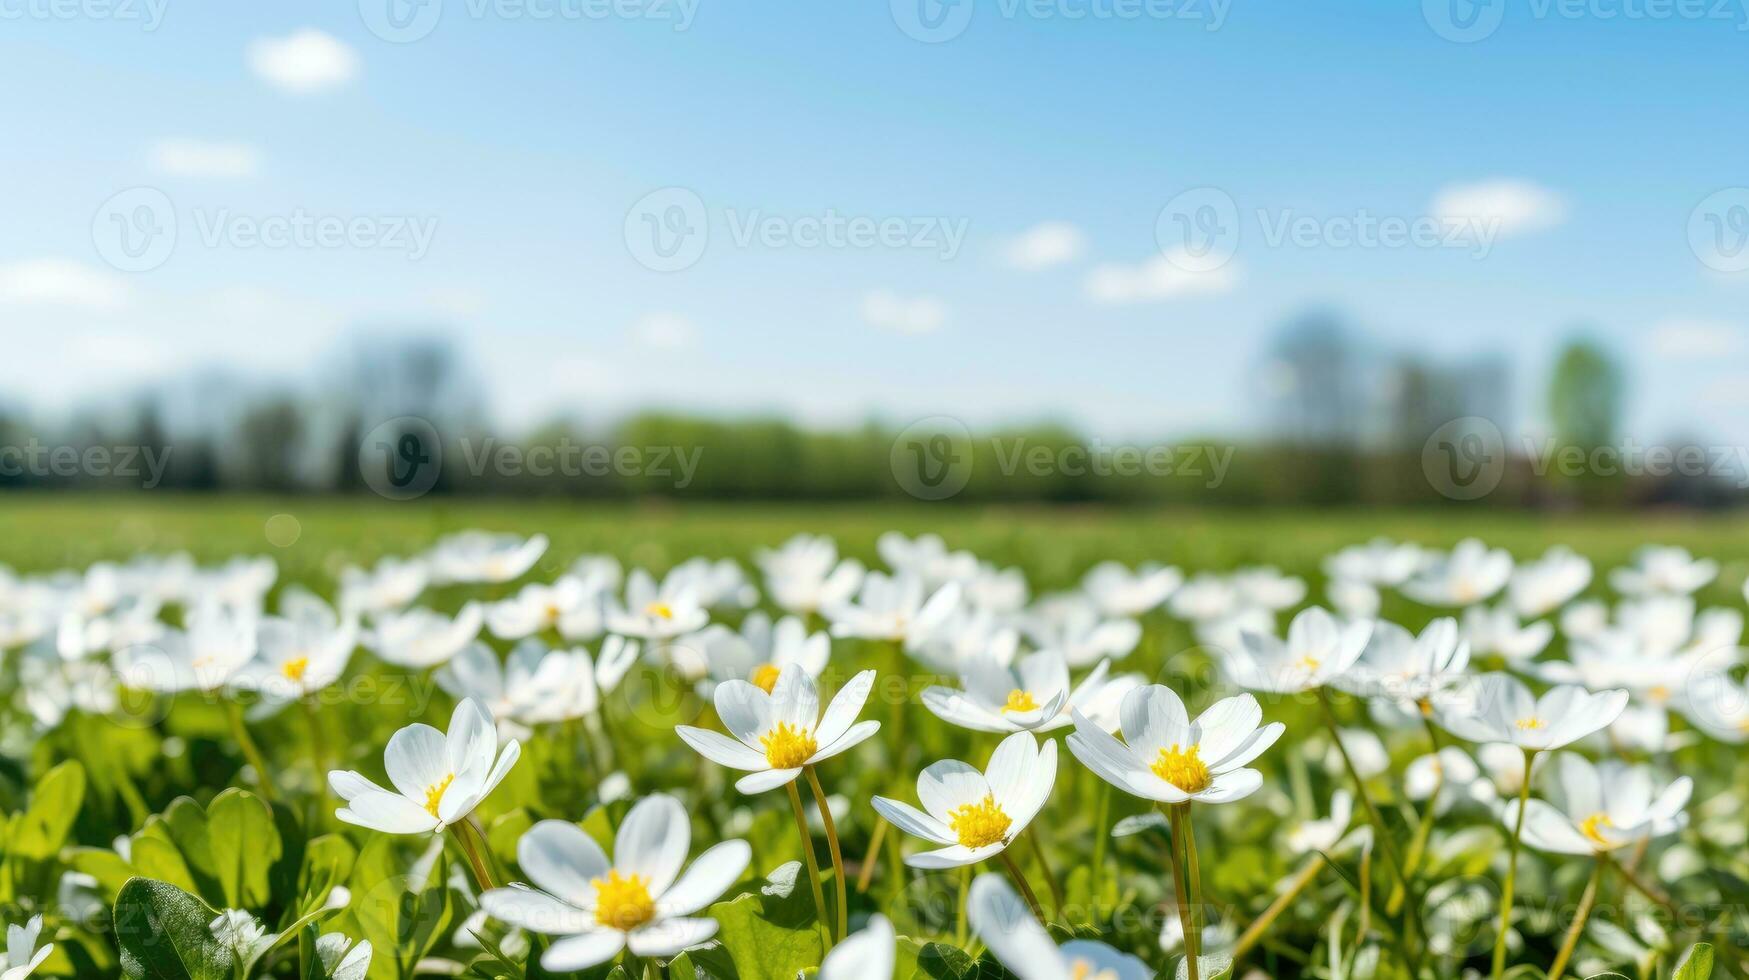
pixel 623 903
pixel 1658 693
pixel 1183 768
pixel 787 747
pixel 1531 724
pixel 434 795
pixel 553 612
pixel 1083 970
pixel 765 677
pixel 661 610
pixel 1592 827
pixel 1308 664
pixel 980 824
pixel 1019 700
pixel 294 669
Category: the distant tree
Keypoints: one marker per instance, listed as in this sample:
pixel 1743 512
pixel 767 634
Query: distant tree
pixel 1585 395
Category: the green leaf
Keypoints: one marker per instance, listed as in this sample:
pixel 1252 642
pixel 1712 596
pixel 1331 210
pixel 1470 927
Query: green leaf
pixel 404 912
pixel 328 862
pixel 41 830
pixel 108 867
pixel 771 933
pixel 186 825
pixel 164 934
pixel 1696 964
pixel 244 844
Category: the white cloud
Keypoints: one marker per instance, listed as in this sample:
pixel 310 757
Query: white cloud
pixel 1155 279
pixel 198 158
pixel 61 283
pixel 303 62
pixel 1729 391
pixel 1681 339
pixel 1500 207
pixel 1044 245
pixel 890 311
pixel 665 331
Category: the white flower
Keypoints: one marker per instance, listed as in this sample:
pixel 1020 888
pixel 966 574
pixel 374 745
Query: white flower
pixel 1406 668
pixel 1020 943
pixel 1033 694
pixel 533 686
pixel 760 651
pixel 567 606
pixel 1117 591
pixel 1542 586
pixel 341 958
pixel 23 955
pixel 1499 708
pixel 1663 571
pixel 217 642
pixel 1073 625
pixel 869 954
pixel 1264 587
pixel 391 585
pixel 53 687
pixel 240 584
pixel 925 557
pixel 1718 705
pixel 805 575
pixel 438 778
pixel 1471 573
pixel 1322 834
pixel 999 590
pixel 1453 775
pixel 299 653
pixel 967 633
pixel 1378 562
pixel 481 556
pixel 1205 597
pixel 1585 619
pixel 1354 599
pixel 655 613
pixel 1497 631
pixel 239 933
pixel 638 901
pixel 1599 809
pixel 715 584
pixel 976 815
pixel 421 637
pixel 898 609
pixel 777 734
pixel 1318 650
pixel 1168 758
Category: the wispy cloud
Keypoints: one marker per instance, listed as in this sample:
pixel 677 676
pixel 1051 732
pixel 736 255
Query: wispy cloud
pixel 1505 206
pixel 665 331
pixel 304 62
pixel 61 283
pixel 1687 339
pixel 914 314
pixel 200 158
pixel 1044 245
pixel 1156 279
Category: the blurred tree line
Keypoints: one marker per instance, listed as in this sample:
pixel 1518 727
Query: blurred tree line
pixel 1347 425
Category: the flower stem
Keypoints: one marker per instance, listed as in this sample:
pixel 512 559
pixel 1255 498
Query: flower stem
pixel 1424 829
pixel 1193 869
pixel 1044 867
pixel 482 877
pixel 1511 871
pixel 795 803
pixel 251 751
pixel 832 845
pixel 1254 932
pixel 872 858
pixel 1372 814
pixel 959 923
pixel 1559 966
pixel 318 749
pixel 1101 814
pixel 1640 885
pixel 1180 890
pixel 1020 883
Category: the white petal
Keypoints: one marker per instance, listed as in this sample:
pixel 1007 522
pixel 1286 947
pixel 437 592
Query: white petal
pixel 535 911
pixel 947 785
pixel 860 732
pixel 1153 718
pixel 582 951
pixel 844 708
pixel 1254 745
pixel 1007 926
pixel 652 841
pixel 1230 786
pixel 1547 829
pixel 913 821
pixel 745 709
pixel 770 779
pixel 667 937
pixel 417 759
pixel 956 708
pixel 706 880
pixel 721 749
pixel 562 859
pixel 957 856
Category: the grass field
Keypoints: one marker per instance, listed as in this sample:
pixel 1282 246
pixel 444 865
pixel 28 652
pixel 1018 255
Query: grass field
pixel 1054 545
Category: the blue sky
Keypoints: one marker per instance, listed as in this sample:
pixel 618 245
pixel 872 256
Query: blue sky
pixel 1575 140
